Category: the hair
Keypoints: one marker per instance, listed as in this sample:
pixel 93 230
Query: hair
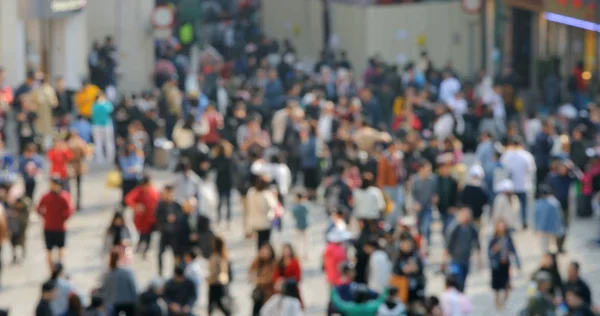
pixel 367 180
pixel 117 215
pixel 280 264
pixel 261 184
pixel 219 246
pixel 185 164
pixel 261 261
pixel 191 253
pixel 113 262
pixel 75 305
pixel 451 281
pixel 169 188
pixel 361 294
pixel 145 179
pixel 575 265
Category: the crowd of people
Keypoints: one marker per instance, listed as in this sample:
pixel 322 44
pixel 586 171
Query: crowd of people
pixel 383 155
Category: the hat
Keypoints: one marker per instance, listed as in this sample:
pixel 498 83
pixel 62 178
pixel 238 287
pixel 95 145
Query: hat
pixel 56 179
pixel 505 186
pixel 408 221
pixel 156 283
pixel 338 235
pixel 543 276
pixel 476 171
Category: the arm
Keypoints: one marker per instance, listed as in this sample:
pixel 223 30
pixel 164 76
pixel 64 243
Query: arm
pixel 513 250
pixel 193 295
pixel 132 197
pixel 340 304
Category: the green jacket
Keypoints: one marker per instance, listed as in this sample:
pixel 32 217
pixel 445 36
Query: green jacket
pixel 353 309
pixel 540 306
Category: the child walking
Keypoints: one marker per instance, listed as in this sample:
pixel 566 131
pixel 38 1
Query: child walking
pixel 300 212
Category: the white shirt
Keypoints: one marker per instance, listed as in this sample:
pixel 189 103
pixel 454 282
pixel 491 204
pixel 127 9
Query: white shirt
pixel 532 128
pixel 325 126
pixel 458 106
pixel 194 272
pixel 521 165
pixel 448 89
pixel 279 172
pixel 368 203
pixel 380 270
pixel 496 103
pixel 444 127
pixel 222 100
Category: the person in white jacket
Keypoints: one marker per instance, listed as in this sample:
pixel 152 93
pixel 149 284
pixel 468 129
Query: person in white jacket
pixel 260 206
pixel 285 304
pixel 379 267
pixel 506 205
pixel 368 199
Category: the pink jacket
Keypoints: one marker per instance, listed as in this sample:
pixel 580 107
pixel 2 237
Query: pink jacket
pixel 333 257
pixel 454 303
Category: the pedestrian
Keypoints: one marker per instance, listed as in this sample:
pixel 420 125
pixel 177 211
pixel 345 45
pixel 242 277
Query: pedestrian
pixel 521 167
pixel 550 267
pixel 102 129
pixel 18 221
pixel 261 203
pixel 409 264
pixel 560 181
pixel 168 214
pixel 81 151
pixel 187 184
pixel 453 301
pixel 218 278
pixel 3 235
pixel 423 191
pixel 193 269
pixel 500 250
pixel 368 201
pixel 446 193
pixel 506 205
pixel 75 306
pixel 59 157
pixel 548 218
pixel 335 254
pixel 310 160
pixel 48 295
pixel 119 290
pixel 301 215
pixel 119 237
pixel 288 268
pixel 30 166
pixel 224 165
pixel 362 303
pixel 475 195
pixel 143 200
pixel 285 303
pixel 180 294
pixel 56 208
pixel 392 306
pixel 575 303
pixel 542 303
pixel 131 163
pixel 541 151
pixel 149 301
pixel 390 176
pixel 379 266
pixel 462 240
pixel 575 281
pixel 261 275
pixel 44 97
pixel 64 290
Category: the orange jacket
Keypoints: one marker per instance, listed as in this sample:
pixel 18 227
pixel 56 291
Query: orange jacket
pixel 386 175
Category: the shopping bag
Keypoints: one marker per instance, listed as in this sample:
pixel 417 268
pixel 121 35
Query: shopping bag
pixel 401 283
pixel 113 179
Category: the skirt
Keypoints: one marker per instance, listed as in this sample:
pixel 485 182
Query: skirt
pixel 501 277
pixel 311 178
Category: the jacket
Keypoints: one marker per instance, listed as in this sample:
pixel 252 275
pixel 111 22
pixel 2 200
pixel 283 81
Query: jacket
pixel 368 203
pixel 183 293
pixel 548 217
pixel 148 305
pixel 45 99
pixel 279 305
pixel 56 208
pixel 350 308
pixel 497 258
pixel 260 207
pixel 389 170
pixel 507 208
pixel 380 270
pixel 85 98
pixel 264 277
pixel 118 287
pixel 333 257
pixel 163 210
pixel 145 219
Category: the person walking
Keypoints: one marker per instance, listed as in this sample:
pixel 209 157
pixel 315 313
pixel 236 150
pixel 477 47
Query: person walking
pixel 119 289
pixel 334 255
pixel 18 221
pixel 81 151
pixel 30 166
pixel 131 163
pixel 260 204
pixel 48 295
pixel 143 199
pixel 119 237
pixel 506 205
pixel 55 207
pixel 180 294
pixel 223 164
pixel 548 218
pixel 423 190
pixel 521 167
pixel 102 129
pixel 288 268
pixel 500 250
pixel 64 289
pixel 168 214
pixel 59 157
pixel 261 275
pixel 218 277
pixel 462 239
pixel 287 303
pixel 379 267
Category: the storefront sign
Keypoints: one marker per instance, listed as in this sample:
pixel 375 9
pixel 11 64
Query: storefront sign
pixel 50 9
pixel 60 6
pixel 579 9
pixel 472 6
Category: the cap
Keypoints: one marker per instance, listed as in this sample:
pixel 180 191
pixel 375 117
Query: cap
pixel 476 171
pixel 505 186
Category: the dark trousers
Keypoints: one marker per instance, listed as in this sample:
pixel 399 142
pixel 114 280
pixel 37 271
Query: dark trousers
pixel 523 200
pixel 264 237
pixel 461 273
pixel 30 189
pixel 256 308
pixel 560 241
pixel 167 240
pixel 144 239
pixel 224 198
pixel 170 122
pixel 216 293
pixel 127 186
pixel 294 165
pixel 78 189
pixel 127 309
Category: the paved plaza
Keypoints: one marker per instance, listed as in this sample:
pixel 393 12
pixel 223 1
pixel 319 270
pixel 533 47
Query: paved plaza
pixel 85 262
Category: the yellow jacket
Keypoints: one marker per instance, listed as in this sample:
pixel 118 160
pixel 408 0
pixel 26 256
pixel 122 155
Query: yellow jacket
pixel 85 98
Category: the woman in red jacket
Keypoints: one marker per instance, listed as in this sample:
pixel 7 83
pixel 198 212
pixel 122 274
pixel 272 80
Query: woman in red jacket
pixel 143 199
pixel 288 267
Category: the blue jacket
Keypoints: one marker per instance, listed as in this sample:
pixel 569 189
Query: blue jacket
pixel 83 128
pixel 560 186
pixel 495 258
pixel 274 93
pixel 6 162
pixel 309 153
pixel 36 159
pixel 127 162
pixel 548 216
pixel 541 150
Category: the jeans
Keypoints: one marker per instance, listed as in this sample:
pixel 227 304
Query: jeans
pixel 144 239
pixel 446 221
pixel 424 221
pixel 104 143
pixel 167 240
pixel 396 194
pixel 523 200
pixel 461 271
pixel 30 189
pixel 224 198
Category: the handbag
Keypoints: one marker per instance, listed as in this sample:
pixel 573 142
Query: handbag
pixel 114 179
pixel 258 295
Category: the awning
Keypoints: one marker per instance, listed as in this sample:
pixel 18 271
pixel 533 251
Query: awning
pixel 533 5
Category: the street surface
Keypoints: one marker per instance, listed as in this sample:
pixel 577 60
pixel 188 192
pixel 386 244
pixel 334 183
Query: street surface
pixel 84 263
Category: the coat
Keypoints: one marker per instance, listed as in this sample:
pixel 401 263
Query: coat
pixel 350 308
pixel 3 225
pixel 144 220
pixel 45 100
pixel 260 207
pixel 282 305
pixel 333 257
pixel 548 217
pixel 506 208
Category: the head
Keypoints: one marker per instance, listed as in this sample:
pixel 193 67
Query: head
pixel 500 228
pixel 218 246
pixel 547 261
pixel 75 304
pixel 543 280
pixel 424 170
pixel 56 185
pixel 189 256
pixel 253 125
pixel 59 83
pixel 168 193
pixel 573 273
pixel 118 220
pixel 179 273
pixel 49 290
pixel 262 183
pixel 371 246
pixel 464 216
pixel 287 252
pixel 266 252
pixel 30 150
pixel 445 169
pixel 146 181
pixel 347 270
pixel 189 205
pixel 407 245
pixel 290 288
pixel 574 298
pixel 451 282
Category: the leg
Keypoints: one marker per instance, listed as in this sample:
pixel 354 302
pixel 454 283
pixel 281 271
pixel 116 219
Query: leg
pixel 162 246
pixel 228 204
pixel 523 200
pixel 109 135
pixel 497 300
pixel 98 143
pixel 78 188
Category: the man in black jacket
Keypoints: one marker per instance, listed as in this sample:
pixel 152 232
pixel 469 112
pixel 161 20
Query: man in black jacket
pixel 574 281
pixel 180 294
pixel 168 214
pixel 48 295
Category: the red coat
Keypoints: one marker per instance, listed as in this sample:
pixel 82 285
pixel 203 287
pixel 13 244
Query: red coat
pixel 144 220
pixel 56 208
pixel 291 271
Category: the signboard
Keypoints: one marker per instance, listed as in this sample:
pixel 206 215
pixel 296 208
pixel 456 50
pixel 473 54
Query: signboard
pixel 472 6
pixel 49 9
pixel 578 9
pixel 60 6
